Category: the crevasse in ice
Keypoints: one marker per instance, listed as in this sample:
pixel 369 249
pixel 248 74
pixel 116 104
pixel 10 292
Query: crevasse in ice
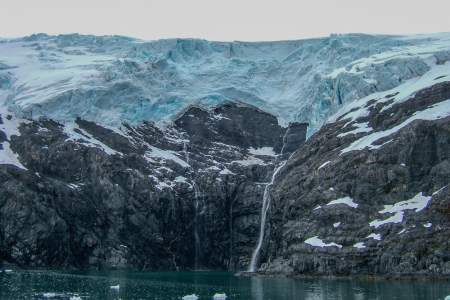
pixel 114 79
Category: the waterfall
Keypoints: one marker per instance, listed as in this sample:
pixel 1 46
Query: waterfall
pixel 197 195
pixel 264 209
pixel 186 153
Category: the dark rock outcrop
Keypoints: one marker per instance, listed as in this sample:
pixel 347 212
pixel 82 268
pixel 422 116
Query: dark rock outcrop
pixel 393 195
pixel 183 197
pixel 367 194
pixel 294 137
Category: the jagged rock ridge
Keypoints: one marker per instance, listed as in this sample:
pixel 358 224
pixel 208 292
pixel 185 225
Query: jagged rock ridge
pixel 369 192
pixel 142 197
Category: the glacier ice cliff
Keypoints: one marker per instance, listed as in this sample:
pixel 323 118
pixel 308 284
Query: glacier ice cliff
pixel 98 184
pixel 114 79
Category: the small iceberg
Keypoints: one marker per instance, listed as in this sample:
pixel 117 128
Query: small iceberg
pixel 218 296
pixel 190 297
pixel 447 298
pixel 115 287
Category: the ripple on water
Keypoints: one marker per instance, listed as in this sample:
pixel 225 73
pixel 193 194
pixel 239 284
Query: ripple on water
pixel 205 285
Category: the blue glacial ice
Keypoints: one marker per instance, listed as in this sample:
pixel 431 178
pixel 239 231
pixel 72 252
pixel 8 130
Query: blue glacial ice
pixel 114 79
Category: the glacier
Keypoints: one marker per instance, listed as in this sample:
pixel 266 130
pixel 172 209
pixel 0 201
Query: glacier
pixel 114 79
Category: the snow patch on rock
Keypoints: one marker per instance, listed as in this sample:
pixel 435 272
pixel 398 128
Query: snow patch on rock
pixel 316 242
pixel 345 200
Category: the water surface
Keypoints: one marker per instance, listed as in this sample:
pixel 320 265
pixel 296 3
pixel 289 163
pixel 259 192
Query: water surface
pixel 173 285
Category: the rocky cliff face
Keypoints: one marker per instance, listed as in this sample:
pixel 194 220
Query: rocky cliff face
pixel 369 193
pixel 186 196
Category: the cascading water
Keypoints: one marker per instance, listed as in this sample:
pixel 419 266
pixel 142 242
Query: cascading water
pixel 186 153
pixel 264 209
pixel 197 196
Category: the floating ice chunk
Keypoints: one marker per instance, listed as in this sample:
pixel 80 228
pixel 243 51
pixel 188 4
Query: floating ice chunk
pixel 427 225
pixel 402 231
pixel 267 151
pixel 75 298
pixel 397 218
pixel 336 225
pixel 359 245
pixel 447 298
pixel 375 236
pixel 219 296
pixel 316 242
pixel 317 207
pixel 323 165
pixel 49 295
pixel 190 297
pixel 345 200
pixel 115 287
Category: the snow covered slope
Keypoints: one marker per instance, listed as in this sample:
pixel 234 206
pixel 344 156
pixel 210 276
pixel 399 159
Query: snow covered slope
pixel 114 79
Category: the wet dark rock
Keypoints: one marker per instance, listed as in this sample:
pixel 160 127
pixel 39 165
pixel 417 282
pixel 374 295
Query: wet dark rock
pixel 294 137
pixel 413 160
pixel 232 123
pixel 183 197
pixel 189 195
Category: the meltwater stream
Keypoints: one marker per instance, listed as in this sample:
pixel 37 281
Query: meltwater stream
pixel 264 209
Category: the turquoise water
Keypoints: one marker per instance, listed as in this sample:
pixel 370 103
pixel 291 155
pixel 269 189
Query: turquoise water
pixel 174 285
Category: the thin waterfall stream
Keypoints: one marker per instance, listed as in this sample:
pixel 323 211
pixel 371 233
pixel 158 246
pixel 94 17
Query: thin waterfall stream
pixel 197 196
pixel 264 210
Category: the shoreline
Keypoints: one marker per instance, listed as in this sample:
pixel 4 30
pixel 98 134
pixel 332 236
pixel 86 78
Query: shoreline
pixel 360 277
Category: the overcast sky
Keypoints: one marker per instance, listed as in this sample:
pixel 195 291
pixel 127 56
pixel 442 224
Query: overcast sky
pixel 223 20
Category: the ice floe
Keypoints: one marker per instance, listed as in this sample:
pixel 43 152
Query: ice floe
pixel 190 297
